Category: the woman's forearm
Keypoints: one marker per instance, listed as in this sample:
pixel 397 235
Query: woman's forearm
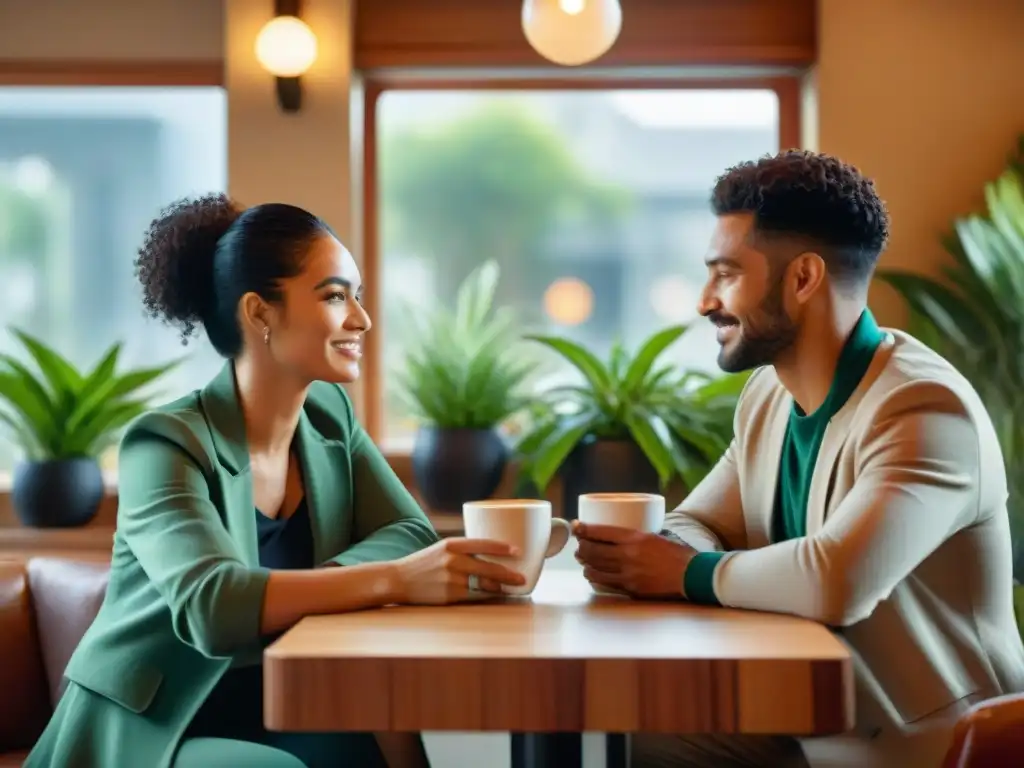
pixel 292 595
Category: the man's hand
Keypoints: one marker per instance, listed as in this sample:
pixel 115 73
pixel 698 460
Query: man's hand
pixel 642 564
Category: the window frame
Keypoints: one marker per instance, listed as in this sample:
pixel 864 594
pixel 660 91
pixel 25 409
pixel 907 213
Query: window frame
pixel 71 73
pixel 88 73
pixel 787 87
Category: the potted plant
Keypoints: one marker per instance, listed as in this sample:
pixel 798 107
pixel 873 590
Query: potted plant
pixel 462 378
pixel 974 317
pixel 62 419
pixel 631 426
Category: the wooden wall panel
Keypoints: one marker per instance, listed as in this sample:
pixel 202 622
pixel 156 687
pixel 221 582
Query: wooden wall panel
pixel 86 72
pixel 487 33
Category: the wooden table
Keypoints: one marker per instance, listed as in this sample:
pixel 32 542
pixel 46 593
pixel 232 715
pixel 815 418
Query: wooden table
pixel 564 661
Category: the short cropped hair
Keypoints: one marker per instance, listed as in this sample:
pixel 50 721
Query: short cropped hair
pixel 814 197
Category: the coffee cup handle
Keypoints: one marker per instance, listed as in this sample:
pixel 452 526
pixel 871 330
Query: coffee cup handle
pixel 560 533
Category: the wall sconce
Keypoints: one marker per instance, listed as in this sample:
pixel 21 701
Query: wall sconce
pixel 571 32
pixel 286 48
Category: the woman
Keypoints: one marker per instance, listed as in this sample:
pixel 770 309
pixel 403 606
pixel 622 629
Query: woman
pixel 233 496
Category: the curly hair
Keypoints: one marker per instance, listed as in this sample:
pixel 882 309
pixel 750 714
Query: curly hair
pixel 812 196
pixel 175 261
pixel 201 255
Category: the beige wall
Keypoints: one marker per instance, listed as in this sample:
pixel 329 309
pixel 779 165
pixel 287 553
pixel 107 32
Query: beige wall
pixel 304 158
pixel 112 29
pixel 926 96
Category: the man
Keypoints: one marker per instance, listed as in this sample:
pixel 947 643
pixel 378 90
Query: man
pixel 864 489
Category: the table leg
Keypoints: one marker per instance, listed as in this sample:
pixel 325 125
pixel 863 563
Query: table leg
pixel 565 750
pixel 547 750
pixel 616 750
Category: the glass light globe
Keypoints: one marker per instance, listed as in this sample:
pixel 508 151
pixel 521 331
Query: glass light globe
pixel 571 32
pixel 286 46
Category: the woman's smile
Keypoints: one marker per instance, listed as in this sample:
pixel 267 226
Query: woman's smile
pixel 352 348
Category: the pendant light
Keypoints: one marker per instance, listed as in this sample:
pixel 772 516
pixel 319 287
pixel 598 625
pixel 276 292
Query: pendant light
pixel 571 32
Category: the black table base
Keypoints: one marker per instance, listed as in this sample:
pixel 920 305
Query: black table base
pixel 564 750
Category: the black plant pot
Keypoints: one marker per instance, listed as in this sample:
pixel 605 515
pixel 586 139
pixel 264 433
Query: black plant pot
pixel 63 493
pixel 605 466
pixel 453 466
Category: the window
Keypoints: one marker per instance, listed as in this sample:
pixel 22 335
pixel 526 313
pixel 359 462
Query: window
pixel 82 173
pixel 593 202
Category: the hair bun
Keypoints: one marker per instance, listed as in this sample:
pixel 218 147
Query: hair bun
pixel 175 262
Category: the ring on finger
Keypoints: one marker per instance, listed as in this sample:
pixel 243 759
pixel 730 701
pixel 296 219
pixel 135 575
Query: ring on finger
pixel 473 582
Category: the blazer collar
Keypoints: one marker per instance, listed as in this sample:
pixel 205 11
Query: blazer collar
pixel 227 423
pixel 322 461
pixel 836 435
pixel 770 426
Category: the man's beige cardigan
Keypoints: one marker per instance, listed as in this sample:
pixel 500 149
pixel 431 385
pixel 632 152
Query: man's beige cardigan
pixel 907 554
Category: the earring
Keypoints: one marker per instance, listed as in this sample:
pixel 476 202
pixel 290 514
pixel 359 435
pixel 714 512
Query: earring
pixel 266 335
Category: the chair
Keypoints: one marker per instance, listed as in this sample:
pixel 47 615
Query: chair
pixel 989 735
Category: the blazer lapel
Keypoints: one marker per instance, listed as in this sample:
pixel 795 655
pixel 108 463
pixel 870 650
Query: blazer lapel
pixel 823 479
pixel 227 429
pixel 764 463
pixel 324 466
pixel 836 434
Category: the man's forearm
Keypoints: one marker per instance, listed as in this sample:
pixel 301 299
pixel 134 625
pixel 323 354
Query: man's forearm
pixel 710 520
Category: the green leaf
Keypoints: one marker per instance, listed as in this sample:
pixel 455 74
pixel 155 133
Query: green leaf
pixel 572 392
pixel 64 380
pixel 1006 207
pixel 682 421
pixel 62 413
pixel 704 441
pixel 101 423
pixel 26 437
pixel 29 379
pixel 973 314
pixel 657 449
pixel 36 413
pixel 105 368
pixel 617 361
pixel 103 385
pixel 596 375
pixel 565 436
pixel 648 353
pixel 727 388
pixel 691 466
pixel 949 311
pixel 463 369
pixel 475 296
pixel 534 439
pixel 33 399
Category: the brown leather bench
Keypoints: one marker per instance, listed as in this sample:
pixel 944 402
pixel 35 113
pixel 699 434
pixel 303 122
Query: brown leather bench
pixel 45 607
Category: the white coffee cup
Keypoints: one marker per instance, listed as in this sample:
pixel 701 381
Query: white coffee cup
pixel 526 524
pixel 635 511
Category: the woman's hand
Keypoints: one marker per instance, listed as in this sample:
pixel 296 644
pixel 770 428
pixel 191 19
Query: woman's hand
pixel 442 572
